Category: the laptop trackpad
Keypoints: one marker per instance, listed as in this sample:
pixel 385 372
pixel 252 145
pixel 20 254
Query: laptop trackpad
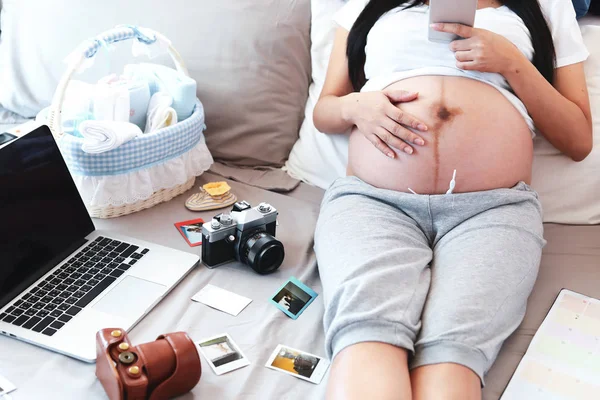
pixel 130 298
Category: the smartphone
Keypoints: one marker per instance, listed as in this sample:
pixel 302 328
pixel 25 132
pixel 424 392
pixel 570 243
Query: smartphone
pixel 451 11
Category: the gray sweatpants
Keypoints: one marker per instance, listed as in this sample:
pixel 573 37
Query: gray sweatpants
pixel 446 277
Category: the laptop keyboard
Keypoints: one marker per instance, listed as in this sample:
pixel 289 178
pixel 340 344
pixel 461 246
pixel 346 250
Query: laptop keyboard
pixel 47 307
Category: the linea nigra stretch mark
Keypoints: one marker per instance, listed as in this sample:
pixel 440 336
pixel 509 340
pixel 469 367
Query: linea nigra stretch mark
pixel 444 116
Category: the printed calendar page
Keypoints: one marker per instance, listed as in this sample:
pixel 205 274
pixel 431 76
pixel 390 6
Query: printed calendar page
pixel 563 359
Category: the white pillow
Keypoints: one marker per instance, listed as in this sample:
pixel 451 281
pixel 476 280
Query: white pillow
pixel 317 158
pixel 569 191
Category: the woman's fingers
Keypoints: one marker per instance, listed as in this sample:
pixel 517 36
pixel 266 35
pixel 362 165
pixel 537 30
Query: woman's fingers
pixel 401 133
pixel 380 145
pixel 467 65
pixel 461 30
pixel 462 44
pixel 396 139
pixel 400 96
pixel 464 56
pixel 404 118
pixel 391 140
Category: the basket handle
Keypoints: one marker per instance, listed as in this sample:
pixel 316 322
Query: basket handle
pixel 89 50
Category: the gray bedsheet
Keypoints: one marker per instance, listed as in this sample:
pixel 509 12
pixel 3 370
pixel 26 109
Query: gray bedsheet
pixel 41 374
pixel 571 259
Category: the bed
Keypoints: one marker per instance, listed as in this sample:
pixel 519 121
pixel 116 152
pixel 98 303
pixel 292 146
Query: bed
pixel 571 259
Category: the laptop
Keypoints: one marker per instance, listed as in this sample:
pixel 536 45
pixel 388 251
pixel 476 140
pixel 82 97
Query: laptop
pixel 61 279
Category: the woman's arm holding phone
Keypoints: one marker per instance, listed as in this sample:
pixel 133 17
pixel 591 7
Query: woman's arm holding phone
pixel 339 107
pixel 561 112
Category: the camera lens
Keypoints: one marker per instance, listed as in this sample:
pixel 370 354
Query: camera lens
pixel 263 252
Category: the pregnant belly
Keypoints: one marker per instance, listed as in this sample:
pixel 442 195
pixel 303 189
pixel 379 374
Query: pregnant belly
pixel 473 129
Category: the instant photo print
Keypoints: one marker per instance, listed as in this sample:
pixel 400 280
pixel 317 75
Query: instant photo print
pixel 222 354
pixel 191 231
pixel 298 363
pixel 293 298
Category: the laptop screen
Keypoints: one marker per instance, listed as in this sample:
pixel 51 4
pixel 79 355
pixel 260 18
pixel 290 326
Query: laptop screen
pixel 42 217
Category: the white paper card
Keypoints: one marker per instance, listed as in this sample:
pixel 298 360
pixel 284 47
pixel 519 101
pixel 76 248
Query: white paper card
pixel 222 299
pixel 5 386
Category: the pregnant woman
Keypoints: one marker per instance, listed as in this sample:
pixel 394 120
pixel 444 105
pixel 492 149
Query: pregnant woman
pixel 429 248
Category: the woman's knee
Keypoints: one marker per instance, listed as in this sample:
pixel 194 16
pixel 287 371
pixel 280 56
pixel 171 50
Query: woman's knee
pixel 445 381
pixel 370 370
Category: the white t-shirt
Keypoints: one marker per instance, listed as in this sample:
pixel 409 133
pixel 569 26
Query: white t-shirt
pixel 398 48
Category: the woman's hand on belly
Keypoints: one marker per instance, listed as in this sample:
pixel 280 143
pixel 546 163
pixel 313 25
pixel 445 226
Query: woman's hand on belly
pixel 382 123
pixel 473 129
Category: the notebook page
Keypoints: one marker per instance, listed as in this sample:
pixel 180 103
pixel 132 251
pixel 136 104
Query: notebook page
pixel 563 359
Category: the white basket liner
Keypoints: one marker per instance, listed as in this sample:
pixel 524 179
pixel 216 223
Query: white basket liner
pixel 117 190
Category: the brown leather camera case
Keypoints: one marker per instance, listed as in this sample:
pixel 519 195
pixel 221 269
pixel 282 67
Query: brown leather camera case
pixel 165 368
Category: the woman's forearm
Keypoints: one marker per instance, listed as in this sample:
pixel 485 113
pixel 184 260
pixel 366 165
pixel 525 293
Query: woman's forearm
pixel 330 114
pixel 560 120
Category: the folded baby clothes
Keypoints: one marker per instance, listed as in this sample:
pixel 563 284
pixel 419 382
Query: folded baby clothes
pixel 139 96
pixel 111 103
pixel 76 107
pixel 164 79
pixel 160 113
pixel 78 98
pixel 101 136
pixel 139 99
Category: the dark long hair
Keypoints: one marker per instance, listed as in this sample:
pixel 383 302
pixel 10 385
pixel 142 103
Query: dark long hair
pixel 529 11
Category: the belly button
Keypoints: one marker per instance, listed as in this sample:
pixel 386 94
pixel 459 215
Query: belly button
pixel 443 113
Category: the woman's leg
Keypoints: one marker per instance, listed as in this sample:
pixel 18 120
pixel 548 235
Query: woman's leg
pixel 370 370
pixel 374 265
pixel 485 261
pixel 445 381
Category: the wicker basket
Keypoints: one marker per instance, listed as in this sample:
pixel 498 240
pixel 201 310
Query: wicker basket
pixel 156 198
pixel 149 150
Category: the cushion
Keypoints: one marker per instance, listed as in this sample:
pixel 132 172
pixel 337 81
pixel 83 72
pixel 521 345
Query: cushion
pixel 566 188
pixel 252 76
pixel 317 158
pixel 581 7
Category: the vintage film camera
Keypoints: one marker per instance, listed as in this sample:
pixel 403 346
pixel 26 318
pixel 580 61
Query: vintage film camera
pixel 165 368
pixel 246 235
